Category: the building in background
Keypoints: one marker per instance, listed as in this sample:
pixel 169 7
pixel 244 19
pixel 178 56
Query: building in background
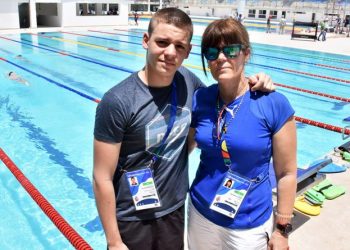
pixel 299 10
pixel 16 14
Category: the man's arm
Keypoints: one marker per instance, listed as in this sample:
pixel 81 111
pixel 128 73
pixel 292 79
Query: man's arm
pixel 106 157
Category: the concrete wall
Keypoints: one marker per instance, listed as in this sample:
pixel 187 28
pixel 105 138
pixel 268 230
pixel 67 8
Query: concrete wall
pixel 9 14
pixel 70 17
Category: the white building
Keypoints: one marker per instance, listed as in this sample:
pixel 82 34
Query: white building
pixel 298 10
pixel 16 14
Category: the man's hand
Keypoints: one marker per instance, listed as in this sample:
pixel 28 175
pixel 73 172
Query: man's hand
pixel 261 82
pixel 120 246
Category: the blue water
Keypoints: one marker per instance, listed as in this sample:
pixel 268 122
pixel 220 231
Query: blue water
pixel 47 128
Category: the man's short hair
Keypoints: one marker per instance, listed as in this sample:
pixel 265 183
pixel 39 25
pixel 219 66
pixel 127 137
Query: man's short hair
pixel 172 16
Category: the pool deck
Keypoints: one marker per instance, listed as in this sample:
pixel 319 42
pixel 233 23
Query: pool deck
pixel 329 229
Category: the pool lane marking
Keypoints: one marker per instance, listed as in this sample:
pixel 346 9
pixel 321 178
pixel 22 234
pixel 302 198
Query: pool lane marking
pixel 339 98
pixel 294 53
pixel 106 48
pixel 72 55
pixel 129 71
pixel 198 67
pixel 110 33
pixel 53 81
pixel 296 72
pixel 255 54
pixel 300 119
pixel 303 54
pixel 95 46
pixel 308 63
pixel 62 225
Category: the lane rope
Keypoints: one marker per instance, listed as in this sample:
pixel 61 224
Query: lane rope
pixel 339 98
pixel 63 226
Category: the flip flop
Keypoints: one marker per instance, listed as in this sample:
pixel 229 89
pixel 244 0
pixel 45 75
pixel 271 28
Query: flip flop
pixel 303 206
pixel 332 168
pixel 314 197
pixel 346 156
pixel 329 190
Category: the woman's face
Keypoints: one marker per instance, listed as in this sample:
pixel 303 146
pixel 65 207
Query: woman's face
pixel 224 68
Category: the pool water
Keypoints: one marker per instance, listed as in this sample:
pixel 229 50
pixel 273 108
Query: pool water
pixel 47 128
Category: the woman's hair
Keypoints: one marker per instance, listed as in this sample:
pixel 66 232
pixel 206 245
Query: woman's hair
pixel 224 32
pixel 172 16
pixel 10 73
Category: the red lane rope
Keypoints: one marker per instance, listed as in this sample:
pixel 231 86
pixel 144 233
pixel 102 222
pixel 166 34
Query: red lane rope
pixel 74 238
pixel 318 76
pixel 345 131
pixel 332 67
pixel 313 92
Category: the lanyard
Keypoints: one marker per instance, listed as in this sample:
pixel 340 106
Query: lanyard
pixel 170 124
pixel 222 127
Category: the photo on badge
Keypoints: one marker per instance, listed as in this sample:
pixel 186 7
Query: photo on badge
pixel 228 183
pixel 133 181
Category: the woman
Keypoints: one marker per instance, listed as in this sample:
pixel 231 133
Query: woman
pixel 238 131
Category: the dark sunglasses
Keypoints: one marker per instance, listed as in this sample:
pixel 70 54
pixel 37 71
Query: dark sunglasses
pixel 230 51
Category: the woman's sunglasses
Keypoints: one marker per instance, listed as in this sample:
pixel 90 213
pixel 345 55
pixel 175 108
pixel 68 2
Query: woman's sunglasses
pixel 230 51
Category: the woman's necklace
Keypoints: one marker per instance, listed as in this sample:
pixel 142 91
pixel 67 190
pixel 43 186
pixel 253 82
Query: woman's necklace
pixel 222 122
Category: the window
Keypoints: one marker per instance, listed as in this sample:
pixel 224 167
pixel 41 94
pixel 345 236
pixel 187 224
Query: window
pixel 284 14
pixel 91 9
pixel 262 13
pixel 251 13
pixel 113 9
pixel 273 14
pixel 97 9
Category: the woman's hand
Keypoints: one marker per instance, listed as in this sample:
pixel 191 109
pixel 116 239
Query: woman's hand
pixel 278 241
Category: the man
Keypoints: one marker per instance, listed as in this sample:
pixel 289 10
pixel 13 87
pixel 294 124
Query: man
pixel 282 25
pixel 268 24
pixel 141 130
pixel 323 32
pixel 15 77
pixel 347 25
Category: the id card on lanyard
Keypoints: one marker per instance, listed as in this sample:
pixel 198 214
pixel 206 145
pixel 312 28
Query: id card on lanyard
pixel 230 194
pixel 143 190
pixel 142 186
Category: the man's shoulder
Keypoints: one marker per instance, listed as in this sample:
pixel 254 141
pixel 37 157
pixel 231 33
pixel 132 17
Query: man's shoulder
pixel 122 88
pixel 188 77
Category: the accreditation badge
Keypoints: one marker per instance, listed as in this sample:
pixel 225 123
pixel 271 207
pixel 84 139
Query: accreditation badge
pixel 143 189
pixel 230 194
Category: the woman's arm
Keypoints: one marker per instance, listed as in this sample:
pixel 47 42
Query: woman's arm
pixel 285 166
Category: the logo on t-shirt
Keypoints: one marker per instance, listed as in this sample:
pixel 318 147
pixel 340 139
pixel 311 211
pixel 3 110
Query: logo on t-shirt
pixel 156 129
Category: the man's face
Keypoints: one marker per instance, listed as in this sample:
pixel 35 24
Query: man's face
pixel 167 48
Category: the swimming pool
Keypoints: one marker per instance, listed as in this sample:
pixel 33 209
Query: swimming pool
pixel 47 128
